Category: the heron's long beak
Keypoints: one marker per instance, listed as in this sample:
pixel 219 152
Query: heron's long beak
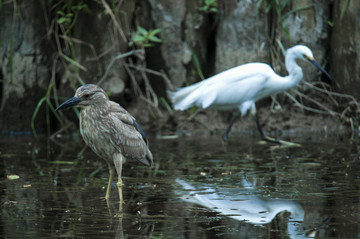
pixel 70 102
pixel 317 65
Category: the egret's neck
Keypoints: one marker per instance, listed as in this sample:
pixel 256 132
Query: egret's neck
pixel 295 71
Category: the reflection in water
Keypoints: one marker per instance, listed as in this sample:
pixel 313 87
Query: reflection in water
pixel 61 194
pixel 242 206
pixel 145 233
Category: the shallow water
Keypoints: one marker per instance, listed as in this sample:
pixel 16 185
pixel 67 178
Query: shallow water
pixel 198 188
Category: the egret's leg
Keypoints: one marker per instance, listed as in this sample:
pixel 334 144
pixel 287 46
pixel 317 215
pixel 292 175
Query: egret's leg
pixel 263 137
pixel 233 118
pixel 111 177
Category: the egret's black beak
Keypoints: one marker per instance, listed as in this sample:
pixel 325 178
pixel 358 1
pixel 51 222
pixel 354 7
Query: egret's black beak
pixel 70 102
pixel 317 65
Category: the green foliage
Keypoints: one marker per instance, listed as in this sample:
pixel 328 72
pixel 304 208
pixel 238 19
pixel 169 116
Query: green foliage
pixel 344 7
pixel 330 23
pixel 273 4
pixel 197 64
pixel 192 110
pixel 69 12
pixel 144 38
pixel 167 105
pixel 64 17
pixel 45 99
pixel 210 6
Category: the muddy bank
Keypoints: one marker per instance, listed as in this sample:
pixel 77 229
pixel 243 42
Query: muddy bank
pixel 290 121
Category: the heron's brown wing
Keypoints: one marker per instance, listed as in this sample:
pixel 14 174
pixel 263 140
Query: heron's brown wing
pixel 125 135
pixel 128 118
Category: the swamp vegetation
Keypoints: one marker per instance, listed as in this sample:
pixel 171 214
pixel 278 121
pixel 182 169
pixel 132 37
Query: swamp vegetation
pixel 136 50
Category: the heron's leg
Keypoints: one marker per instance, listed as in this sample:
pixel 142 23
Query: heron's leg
pixel 111 177
pixel 233 118
pixel 121 199
pixel 263 137
pixel 118 161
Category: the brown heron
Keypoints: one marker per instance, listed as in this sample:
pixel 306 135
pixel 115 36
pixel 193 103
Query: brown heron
pixel 110 131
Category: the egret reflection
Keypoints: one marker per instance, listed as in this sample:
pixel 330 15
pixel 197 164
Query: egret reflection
pixel 244 206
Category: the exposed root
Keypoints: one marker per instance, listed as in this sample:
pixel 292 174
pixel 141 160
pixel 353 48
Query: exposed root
pixel 117 58
pixel 320 100
pixel 150 94
pixel 318 97
pixel 116 23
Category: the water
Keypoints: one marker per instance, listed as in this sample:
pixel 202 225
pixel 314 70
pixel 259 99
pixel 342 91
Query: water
pixel 197 189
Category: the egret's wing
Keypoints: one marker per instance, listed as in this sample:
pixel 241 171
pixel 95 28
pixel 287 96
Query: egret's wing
pixel 240 73
pixel 209 99
pixel 230 95
pixel 127 136
pixel 228 89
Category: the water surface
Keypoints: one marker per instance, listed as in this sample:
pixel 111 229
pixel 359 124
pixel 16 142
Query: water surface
pixel 198 188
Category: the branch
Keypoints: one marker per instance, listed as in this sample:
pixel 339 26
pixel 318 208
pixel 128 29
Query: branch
pixel 108 9
pixel 113 60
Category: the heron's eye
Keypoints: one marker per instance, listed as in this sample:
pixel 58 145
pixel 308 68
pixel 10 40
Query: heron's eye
pixel 87 96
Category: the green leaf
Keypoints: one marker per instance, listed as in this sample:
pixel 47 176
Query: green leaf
pixel 138 38
pixel 154 32
pixel 202 9
pixel 155 39
pixel 62 20
pixel 148 45
pixel 267 10
pixel 79 7
pixel 295 10
pixel 61 13
pixel 142 31
pixel 35 114
pixel 192 110
pixel 345 6
pixel 331 24
pixel 167 106
pixel 61 162
pixel 197 63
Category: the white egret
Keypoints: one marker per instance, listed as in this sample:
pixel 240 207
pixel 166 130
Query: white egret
pixel 240 87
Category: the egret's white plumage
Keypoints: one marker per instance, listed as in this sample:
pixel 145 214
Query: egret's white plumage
pixel 240 87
